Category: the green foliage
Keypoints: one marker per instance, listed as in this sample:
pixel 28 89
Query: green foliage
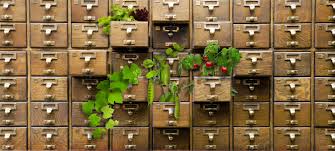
pixel 189 61
pixel 174 50
pixel 98 132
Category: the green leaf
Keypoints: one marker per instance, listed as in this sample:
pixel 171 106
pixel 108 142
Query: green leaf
pixel 101 99
pixel 119 85
pixel 88 107
pixel 116 76
pixel 169 51
pixel 177 107
pixel 111 123
pixel 151 74
pixel 148 63
pixel 94 120
pixel 115 97
pixel 103 85
pixel 107 112
pixel 136 70
pixel 126 73
pixel 98 132
pixel 177 47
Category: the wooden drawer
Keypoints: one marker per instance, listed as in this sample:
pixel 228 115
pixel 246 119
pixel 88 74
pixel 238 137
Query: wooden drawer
pixel 163 115
pixel 211 10
pixel 209 138
pixel 84 88
pixel 252 11
pixel 49 138
pixel 176 10
pixel 293 11
pixel 130 138
pixel 324 114
pixel 13 11
pixel 138 92
pixel 292 114
pixel 251 114
pixel 49 89
pixel 49 63
pixel 120 59
pixel 182 82
pixel 49 114
pixel 13 35
pixel 48 10
pixel 78 117
pixel 171 139
pixel 252 35
pixel 132 114
pixel 324 64
pixel 324 11
pixel 88 63
pixel 212 89
pixel 292 89
pixel 252 89
pixel 13 114
pixel 292 138
pixel 255 63
pixel 49 35
pixel 165 35
pixel 324 35
pixel 13 88
pixel 293 35
pixel 88 11
pixel 209 32
pixel 13 138
pixel 82 139
pixel 13 63
pixel 292 64
pixel 323 139
pixel 132 4
pixel 174 64
pixel 211 114
pixel 324 89
pixel 256 138
pixel 129 34
pixel 88 36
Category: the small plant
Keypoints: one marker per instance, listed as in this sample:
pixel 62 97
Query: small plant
pixel 110 91
pixel 140 14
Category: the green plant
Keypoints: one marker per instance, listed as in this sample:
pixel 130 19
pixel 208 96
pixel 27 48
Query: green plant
pixel 174 50
pixel 110 91
pixel 149 64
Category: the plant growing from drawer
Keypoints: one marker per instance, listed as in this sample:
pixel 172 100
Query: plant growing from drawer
pixel 110 92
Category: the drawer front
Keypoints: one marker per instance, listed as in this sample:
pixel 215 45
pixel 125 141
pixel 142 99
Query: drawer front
pixel 211 114
pixel 252 36
pixel 324 64
pixel 130 138
pixel 88 36
pixel 292 138
pixel 252 89
pixel 49 35
pixel 120 59
pixel 171 10
pixel 292 114
pixel 49 138
pixel 16 138
pixel 13 88
pixel 48 10
pixel 174 64
pixel 13 35
pixel 324 114
pixel 88 11
pixel 129 34
pixel 212 32
pixel 292 64
pixel 131 4
pixel 92 63
pixel 208 10
pixel 324 89
pixel 49 89
pixel 292 89
pixel 171 139
pixel 323 139
pixel 82 139
pixel 138 92
pixel 251 11
pixel 163 115
pixel 208 138
pixel 212 89
pixel 293 11
pixel 292 35
pixel 255 63
pixel 165 35
pixel 252 138
pixel 324 35
pixel 132 114
pixel 84 88
pixel 184 94
pixel 13 114
pixel 324 11
pixel 13 11
pixel 78 116
pixel 49 63
pixel 251 114
pixel 13 63
pixel 49 114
